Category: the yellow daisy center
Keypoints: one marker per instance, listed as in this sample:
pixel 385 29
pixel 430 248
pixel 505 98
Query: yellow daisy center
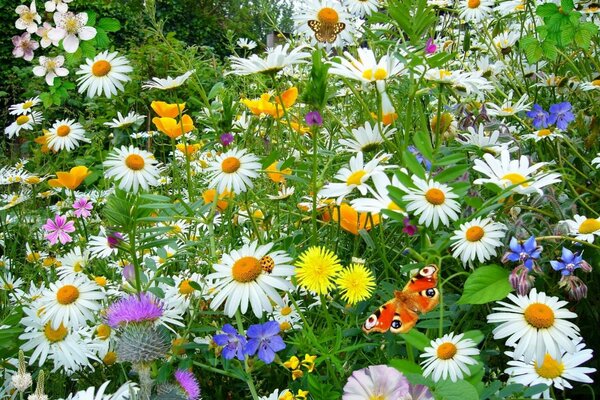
pixel 394 207
pixel 596 83
pixel 185 288
pixel 444 73
pixel 379 74
pixel 285 326
pixel 100 280
pixel 230 165
pixel 101 68
pixel 539 315
pixel 77 266
pixel 63 130
pixel 55 335
pixel 508 109
pixel 435 196
pixel 110 358
pixel 67 294
pixel 246 269
pixel 590 225
pixel 103 331
pixel 29 104
pixel 23 119
pixel 516 179
pixel 356 177
pixel 287 310
pixel 550 368
pixel 544 132
pixel 474 234
pixel 135 162
pixel 377 397
pixel 328 15
pixel 446 351
pixel 473 3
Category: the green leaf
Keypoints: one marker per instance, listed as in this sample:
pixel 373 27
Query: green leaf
pixel 422 142
pixel 549 49
pixel 416 339
pixel 567 5
pixel 546 10
pixel 91 18
pixel 532 48
pixel 413 165
pixel 109 24
pixel 476 335
pixel 102 40
pixel 535 389
pixel 486 284
pixel 459 390
pixel 87 49
pixel 451 173
pixel 406 366
pixel 583 36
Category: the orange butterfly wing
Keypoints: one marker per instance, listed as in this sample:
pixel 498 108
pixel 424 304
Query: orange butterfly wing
pixel 325 33
pixel 401 314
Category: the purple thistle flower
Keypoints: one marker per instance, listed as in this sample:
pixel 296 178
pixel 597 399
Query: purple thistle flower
pixel 561 115
pixel 188 383
pixel 313 118
pixel 232 341
pixel 265 339
pixel 59 229
pixel 24 46
pixel 430 47
pixel 226 139
pixel 525 253
pixel 539 115
pixel 82 207
pixel 136 308
pixel 570 262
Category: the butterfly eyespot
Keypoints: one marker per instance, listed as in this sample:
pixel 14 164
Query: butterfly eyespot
pixel 371 321
pixel 427 271
pixel 429 292
pixel 396 324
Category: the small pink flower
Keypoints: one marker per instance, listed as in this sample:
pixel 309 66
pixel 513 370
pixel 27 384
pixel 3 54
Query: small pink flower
pixel 82 207
pixel 58 230
pixel 430 47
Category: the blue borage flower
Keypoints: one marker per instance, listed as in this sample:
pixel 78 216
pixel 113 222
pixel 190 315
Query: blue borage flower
pixel 526 253
pixel 570 262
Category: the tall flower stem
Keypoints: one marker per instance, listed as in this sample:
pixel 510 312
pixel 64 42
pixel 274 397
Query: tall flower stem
pixel 250 381
pixel 313 182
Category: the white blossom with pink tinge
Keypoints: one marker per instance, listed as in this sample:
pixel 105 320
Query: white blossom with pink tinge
pixel 71 28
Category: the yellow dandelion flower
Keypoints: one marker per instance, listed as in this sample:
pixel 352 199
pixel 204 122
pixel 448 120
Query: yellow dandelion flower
pixel 356 283
pixel 316 269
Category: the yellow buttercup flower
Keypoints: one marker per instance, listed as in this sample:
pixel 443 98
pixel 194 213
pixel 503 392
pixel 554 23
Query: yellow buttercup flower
pixel 72 179
pixel 309 362
pixel 168 110
pixel 292 363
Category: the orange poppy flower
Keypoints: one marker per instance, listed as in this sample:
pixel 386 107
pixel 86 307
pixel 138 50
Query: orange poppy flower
pixel 171 128
pixel 352 221
pixel 164 109
pixel 72 179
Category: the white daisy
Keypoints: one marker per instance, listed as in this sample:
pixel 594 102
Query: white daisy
pixel 361 8
pixel 329 14
pixel 51 67
pixel 484 140
pixel 65 134
pixel 449 356
pixel 504 41
pixel 366 138
pixel 475 10
pixel 552 372
pixel 104 245
pixel 508 108
pixel 71 28
pixel 71 301
pixel 510 7
pixel 73 263
pixel 168 82
pixel 505 172
pixel 24 122
pixel 250 276
pixel 535 325
pixel 367 69
pixel 597 160
pixel 245 43
pixel 433 201
pixel 66 347
pixel 24 107
pixel 354 176
pixel 583 228
pixel 133 168
pixel 287 315
pixel 592 85
pixel 124 121
pixel 276 59
pixel 123 392
pixel 477 239
pixel 381 198
pixel 544 133
pixel 283 193
pixel 233 171
pixel 28 18
pixel 106 74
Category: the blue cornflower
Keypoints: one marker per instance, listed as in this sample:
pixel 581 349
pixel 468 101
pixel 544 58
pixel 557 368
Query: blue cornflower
pixel 420 157
pixel 526 253
pixel 232 341
pixel 561 115
pixel 570 262
pixel 265 339
pixel 539 115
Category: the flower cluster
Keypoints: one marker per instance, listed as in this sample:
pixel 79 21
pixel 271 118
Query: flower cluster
pixel 262 340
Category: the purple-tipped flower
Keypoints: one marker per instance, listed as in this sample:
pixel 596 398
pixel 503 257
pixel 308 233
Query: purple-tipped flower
pixel 233 343
pixel 570 262
pixel 59 229
pixel 561 115
pixel 24 46
pixel 187 381
pixel 409 228
pixel 226 139
pixel 430 47
pixel 82 207
pixel 521 280
pixel 313 118
pixel 540 116
pixel 114 238
pixel 128 273
pixel 576 289
pixel 135 308
pixel 525 253
pixel 265 339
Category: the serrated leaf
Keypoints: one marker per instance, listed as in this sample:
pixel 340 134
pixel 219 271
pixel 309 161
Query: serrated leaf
pixel 102 40
pixel 549 49
pixel 486 284
pixel 546 10
pixel 567 5
pixel 109 24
